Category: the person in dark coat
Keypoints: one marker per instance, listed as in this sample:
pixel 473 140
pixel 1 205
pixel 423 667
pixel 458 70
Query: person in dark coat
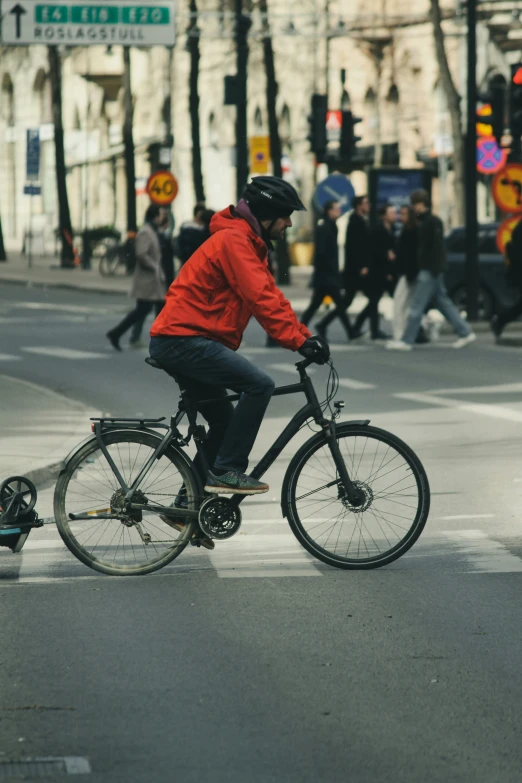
pixel 381 271
pixel 192 234
pixel 326 280
pixel 514 277
pixel 356 259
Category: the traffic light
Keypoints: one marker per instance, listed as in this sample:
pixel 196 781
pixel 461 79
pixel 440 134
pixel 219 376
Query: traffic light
pixel 515 101
pixel 348 138
pixel 497 100
pixel 492 114
pixel 317 120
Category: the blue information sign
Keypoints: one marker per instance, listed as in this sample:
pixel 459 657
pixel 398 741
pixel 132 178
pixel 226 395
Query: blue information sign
pixel 32 190
pixel 335 187
pixel 33 155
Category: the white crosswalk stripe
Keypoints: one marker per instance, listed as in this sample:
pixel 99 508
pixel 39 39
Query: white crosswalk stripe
pixel 265 549
pixel 7 357
pixel 65 353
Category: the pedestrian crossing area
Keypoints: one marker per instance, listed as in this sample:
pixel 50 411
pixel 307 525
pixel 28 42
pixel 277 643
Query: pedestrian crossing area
pixel 266 549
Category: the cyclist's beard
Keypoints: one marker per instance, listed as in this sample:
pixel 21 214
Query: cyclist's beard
pixel 277 233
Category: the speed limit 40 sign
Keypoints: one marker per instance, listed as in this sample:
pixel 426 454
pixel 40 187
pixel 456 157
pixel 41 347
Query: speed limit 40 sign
pixel 162 187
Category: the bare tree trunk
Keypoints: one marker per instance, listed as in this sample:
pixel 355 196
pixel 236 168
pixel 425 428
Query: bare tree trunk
pixel 64 216
pixel 453 101
pixel 197 171
pixel 3 255
pixel 128 144
pixel 272 89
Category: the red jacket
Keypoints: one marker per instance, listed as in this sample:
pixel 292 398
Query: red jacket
pixel 224 283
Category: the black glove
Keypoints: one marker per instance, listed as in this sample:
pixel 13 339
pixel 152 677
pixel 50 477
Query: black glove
pixel 316 349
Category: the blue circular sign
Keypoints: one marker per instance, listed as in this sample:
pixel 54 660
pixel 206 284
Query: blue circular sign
pixel 335 187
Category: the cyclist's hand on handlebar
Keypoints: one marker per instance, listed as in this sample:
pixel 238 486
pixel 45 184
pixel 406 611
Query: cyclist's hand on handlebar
pixel 316 349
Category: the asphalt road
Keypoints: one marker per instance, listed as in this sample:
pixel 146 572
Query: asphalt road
pixel 256 663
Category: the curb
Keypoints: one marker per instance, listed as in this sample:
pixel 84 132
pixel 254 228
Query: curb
pixel 61 285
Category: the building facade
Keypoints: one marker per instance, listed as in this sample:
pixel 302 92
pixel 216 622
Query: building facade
pixel 376 57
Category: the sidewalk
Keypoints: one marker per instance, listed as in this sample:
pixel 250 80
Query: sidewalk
pixel 38 429
pixel 46 272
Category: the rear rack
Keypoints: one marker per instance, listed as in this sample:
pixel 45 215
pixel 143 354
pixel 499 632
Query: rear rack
pixel 113 422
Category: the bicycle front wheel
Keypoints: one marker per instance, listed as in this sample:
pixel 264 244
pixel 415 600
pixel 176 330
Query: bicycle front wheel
pixel 141 540
pixel 393 515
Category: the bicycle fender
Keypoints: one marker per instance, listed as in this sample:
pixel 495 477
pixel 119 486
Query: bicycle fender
pixel 297 457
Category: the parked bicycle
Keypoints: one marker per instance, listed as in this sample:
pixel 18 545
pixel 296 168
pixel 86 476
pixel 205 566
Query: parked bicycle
pixel 115 258
pixel 129 500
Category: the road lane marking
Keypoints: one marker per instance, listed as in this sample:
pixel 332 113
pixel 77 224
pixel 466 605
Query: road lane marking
pixel 466 516
pixel 289 368
pixel 7 357
pixel 65 353
pixel 483 553
pixel 351 383
pixel 491 411
pixel 263 556
pixel 503 388
pixel 345 383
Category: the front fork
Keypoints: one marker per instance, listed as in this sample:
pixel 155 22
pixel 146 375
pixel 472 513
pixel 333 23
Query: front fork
pixel 354 495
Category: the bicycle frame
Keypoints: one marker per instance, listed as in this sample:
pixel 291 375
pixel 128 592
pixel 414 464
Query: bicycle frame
pixel 312 409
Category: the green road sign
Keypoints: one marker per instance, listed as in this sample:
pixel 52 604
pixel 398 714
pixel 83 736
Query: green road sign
pixel 79 24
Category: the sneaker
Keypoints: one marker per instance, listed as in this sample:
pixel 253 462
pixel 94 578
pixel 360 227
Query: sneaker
pixel 398 345
pixel 496 327
pixel 198 539
pixel 380 336
pixel 463 341
pixel 114 341
pixel 234 483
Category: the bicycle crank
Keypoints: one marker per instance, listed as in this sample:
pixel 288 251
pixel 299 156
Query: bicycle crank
pixel 218 519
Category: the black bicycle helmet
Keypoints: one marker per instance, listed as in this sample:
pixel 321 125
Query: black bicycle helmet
pixel 270 198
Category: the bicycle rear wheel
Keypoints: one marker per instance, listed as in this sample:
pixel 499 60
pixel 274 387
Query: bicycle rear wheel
pixel 109 261
pixel 396 507
pixel 144 541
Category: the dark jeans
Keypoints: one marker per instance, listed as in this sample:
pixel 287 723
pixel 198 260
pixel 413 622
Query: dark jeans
pixel 339 312
pixel 136 318
pixel 371 311
pixel 342 306
pixel 206 369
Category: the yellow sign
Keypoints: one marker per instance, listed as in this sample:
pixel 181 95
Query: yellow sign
pixel 259 154
pixel 507 188
pixel 505 230
pixel 162 187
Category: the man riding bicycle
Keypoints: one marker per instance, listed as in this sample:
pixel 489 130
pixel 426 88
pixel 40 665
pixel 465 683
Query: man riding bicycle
pixel 207 309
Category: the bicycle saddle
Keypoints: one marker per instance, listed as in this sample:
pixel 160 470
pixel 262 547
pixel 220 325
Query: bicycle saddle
pixel 153 363
pixel 157 366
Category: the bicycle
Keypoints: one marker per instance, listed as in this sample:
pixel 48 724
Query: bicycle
pixel 115 258
pixel 355 496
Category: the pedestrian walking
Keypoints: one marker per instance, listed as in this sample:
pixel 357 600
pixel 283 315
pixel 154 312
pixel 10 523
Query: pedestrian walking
pixel 148 285
pixel 167 263
pixel 192 234
pixel 407 269
pixel 431 256
pixel 326 279
pixel 514 277
pixel 356 260
pixel 380 273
